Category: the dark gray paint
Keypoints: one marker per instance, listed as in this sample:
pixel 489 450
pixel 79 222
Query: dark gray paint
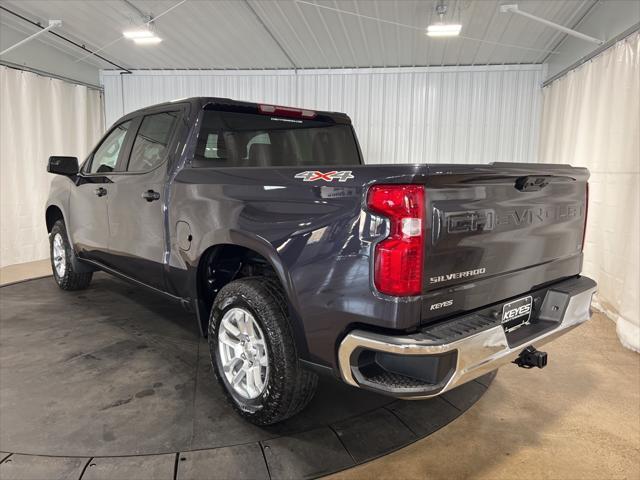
pixel 318 236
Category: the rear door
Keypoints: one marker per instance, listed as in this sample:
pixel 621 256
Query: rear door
pixel 137 202
pixel 88 223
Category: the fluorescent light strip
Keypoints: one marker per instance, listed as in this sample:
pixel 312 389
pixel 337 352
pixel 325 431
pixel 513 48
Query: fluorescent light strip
pixel 444 30
pixel 133 34
pixel 147 40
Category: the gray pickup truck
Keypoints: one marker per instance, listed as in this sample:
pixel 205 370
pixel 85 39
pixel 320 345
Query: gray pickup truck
pixel 298 259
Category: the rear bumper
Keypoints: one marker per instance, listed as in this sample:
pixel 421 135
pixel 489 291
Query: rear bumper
pixel 446 355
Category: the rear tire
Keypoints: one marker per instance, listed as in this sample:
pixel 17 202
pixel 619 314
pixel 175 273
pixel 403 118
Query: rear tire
pixel 282 388
pixel 62 260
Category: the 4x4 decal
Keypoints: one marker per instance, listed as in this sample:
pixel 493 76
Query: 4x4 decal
pixel 312 176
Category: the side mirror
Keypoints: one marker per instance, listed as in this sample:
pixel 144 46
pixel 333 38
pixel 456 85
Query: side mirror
pixel 67 166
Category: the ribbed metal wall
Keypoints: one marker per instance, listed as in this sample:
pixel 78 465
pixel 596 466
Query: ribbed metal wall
pixel 401 115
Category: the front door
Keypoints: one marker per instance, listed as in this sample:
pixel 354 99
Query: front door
pixel 137 241
pixel 88 226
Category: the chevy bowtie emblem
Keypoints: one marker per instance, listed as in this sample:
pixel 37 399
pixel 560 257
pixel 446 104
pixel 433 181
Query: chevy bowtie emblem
pixel 312 176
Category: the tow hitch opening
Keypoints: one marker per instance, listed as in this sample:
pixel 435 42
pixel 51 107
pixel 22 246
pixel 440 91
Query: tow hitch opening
pixel 530 357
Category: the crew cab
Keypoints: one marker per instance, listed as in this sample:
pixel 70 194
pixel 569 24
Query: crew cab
pixel 298 259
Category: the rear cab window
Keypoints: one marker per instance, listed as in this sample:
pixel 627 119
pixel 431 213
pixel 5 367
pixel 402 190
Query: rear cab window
pixel 230 138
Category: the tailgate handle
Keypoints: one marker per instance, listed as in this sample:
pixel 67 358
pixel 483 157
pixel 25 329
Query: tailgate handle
pixel 531 184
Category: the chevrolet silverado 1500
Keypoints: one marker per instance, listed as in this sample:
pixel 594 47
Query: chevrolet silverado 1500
pixel 299 259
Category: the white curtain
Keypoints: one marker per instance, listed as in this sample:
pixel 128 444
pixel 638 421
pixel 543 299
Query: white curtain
pixel 591 117
pixel 39 116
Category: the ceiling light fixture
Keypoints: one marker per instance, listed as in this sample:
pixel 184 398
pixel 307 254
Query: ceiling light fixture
pixel 442 29
pixel 143 35
pixel 147 40
pixel 140 33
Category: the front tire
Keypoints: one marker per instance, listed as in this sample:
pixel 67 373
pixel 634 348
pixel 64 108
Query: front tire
pixel 253 352
pixel 62 256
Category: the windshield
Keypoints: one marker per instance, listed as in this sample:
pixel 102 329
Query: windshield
pixel 231 139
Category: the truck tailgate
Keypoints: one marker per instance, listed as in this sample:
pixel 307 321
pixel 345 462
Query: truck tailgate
pixel 500 219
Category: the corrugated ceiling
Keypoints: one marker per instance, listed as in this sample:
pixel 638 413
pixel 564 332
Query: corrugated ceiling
pixel 253 34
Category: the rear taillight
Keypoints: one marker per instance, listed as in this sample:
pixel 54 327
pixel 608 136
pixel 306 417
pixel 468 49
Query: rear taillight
pixel 586 214
pixel 398 258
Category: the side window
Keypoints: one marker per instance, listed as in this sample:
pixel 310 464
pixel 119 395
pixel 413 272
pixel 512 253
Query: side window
pixel 150 146
pixel 105 158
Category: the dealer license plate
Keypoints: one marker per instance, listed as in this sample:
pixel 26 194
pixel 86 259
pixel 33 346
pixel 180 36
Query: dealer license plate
pixel 517 313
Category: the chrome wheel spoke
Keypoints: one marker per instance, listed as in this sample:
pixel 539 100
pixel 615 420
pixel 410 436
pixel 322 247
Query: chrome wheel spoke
pixel 263 361
pixel 231 364
pixel 256 374
pixel 248 325
pixel 59 255
pixel 230 327
pixel 238 320
pixel 238 377
pixel 243 353
pixel 230 342
pixel 250 383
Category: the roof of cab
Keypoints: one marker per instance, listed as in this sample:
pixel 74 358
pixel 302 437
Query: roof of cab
pixel 201 102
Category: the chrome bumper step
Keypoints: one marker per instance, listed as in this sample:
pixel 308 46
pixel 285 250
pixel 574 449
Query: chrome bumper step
pixel 441 357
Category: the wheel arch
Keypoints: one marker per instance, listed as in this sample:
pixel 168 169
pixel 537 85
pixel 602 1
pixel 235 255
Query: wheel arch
pixel 236 248
pixel 53 213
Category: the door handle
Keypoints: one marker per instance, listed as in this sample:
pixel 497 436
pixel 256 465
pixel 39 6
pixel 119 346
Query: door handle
pixel 100 191
pixel 150 195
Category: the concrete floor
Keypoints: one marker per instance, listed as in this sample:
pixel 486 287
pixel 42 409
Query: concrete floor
pixel 577 418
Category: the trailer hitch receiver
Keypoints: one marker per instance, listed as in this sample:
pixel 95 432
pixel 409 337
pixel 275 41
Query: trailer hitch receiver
pixel 530 357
